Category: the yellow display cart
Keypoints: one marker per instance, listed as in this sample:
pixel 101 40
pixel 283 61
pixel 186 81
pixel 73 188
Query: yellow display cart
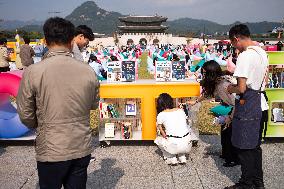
pixel 275 127
pixel 144 93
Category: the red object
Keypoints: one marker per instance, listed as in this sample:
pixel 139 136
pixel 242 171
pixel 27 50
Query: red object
pixel 10 82
pixel 271 48
pixel 224 42
pixel 165 55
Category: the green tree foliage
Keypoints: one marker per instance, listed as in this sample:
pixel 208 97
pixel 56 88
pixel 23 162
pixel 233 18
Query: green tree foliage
pixel 22 33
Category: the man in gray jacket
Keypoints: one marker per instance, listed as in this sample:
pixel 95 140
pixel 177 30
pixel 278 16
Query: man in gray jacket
pixel 83 35
pixel 55 97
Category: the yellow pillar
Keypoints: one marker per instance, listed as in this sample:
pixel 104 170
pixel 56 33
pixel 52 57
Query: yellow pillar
pixel 148 109
pixel 148 91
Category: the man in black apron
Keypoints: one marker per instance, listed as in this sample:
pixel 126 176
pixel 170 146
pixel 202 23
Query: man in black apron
pixel 250 72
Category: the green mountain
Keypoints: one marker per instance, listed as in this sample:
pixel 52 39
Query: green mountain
pixel 100 20
pixel 32 28
pixel 184 25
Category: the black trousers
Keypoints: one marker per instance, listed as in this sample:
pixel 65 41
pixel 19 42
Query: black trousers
pixel 71 174
pixel 251 167
pixel 263 125
pixel 229 152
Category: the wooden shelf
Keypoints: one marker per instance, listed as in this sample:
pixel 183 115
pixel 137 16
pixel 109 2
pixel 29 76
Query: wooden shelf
pixel 136 135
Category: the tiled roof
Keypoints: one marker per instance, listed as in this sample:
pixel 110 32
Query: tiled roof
pixel 143 19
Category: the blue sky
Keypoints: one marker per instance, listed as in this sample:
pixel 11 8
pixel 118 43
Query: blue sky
pixel 221 11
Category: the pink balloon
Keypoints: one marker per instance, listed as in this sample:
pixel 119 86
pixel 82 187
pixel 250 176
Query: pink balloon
pixel 10 82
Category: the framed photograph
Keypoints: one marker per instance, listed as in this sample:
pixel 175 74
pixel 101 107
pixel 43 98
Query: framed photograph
pixel 128 71
pixel 277 112
pixel 130 108
pixel 178 71
pixel 276 77
pixel 163 71
pixel 109 130
pixel 114 71
pixel 126 130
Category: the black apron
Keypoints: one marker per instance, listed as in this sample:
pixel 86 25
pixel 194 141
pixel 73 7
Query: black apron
pixel 246 121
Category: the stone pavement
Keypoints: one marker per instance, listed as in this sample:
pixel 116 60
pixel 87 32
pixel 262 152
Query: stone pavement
pixel 139 165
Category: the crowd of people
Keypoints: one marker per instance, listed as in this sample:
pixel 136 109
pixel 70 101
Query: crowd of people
pixel 57 94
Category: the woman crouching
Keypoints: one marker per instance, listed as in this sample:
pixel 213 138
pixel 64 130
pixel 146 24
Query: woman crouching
pixel 175 141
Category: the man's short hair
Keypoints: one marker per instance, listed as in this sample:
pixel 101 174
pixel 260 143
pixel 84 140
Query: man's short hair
pixel 85 31
pixel 240 30
pixel 27 40
pixel 59 31
pixel 3 41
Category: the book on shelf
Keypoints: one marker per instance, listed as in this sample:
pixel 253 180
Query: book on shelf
pixel 114 71
pixel 163 71
pixel 178 71
pixel 129 71
pixel 276 76
pixel 276 79
pixel 270 83
pixel 109 130
pixel 108 110
pixel 126 130
pixel 282 80
pixel 130 108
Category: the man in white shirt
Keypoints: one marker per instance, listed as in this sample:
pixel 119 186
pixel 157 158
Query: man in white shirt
pixel 250 71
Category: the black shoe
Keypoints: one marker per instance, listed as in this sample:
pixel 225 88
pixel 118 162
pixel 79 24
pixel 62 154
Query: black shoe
pixel 238 186
pixel 259 184
pixel 230 164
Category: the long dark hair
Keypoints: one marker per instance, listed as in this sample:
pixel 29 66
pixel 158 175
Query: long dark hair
pixel 211 72
pixel 165 101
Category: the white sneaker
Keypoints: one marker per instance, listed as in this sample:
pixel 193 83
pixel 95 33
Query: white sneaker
pixel 182 159
pixel 171 161
pixel 93 158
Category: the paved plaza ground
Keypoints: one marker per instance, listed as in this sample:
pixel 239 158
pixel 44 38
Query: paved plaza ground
pixel 139 165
